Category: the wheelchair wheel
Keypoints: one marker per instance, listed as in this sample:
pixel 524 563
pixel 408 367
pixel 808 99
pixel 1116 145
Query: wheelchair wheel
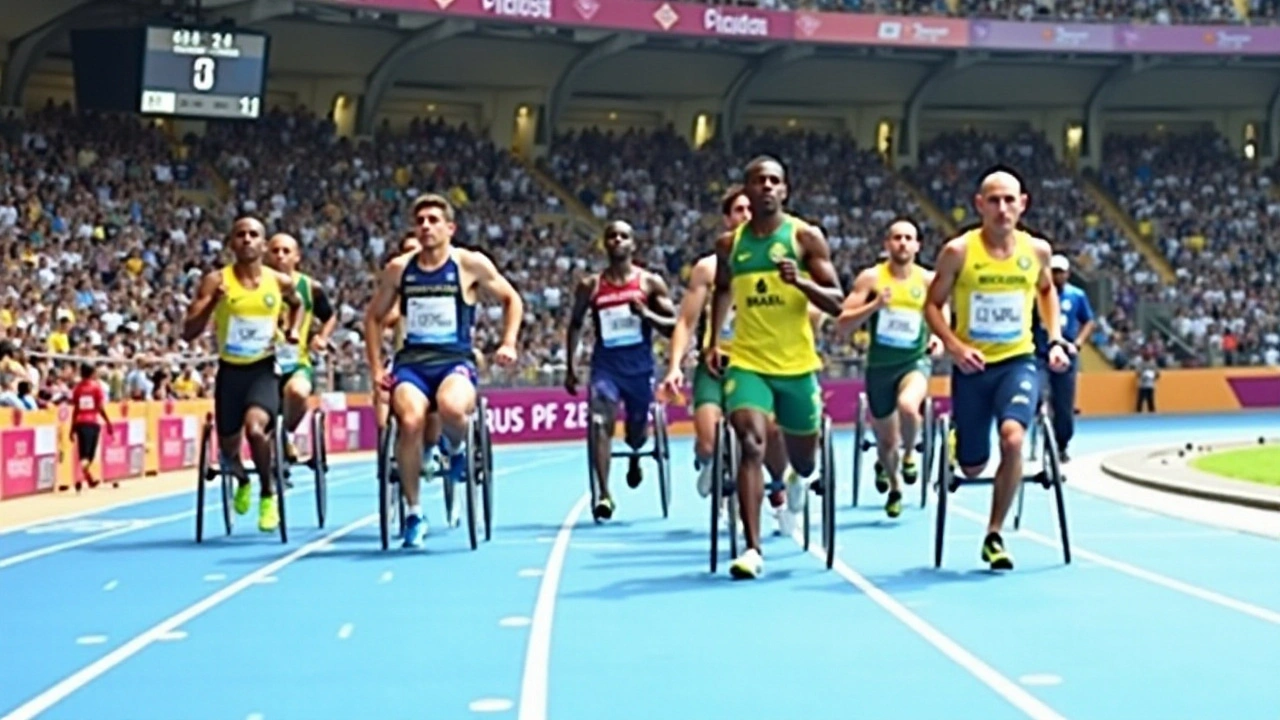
pixel 944 480
pixel 592 480
pixel 662 456
pixel 203 477
pixel 448 487
pixel 928 449
pixel 485 450
pixel 473 480
pixel 828 480
pixel 280 475
pixel 319 461
pixel 1053 473
pixel 859 439
pixel 724 472
pixel 389 503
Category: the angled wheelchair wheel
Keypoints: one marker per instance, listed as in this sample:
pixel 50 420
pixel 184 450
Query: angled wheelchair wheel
pixel 592 480
pixel 1053 474
pixel 828 480
pixel 319 462
pixel 662 456
pixel 280 475
pixel 389 503
pixel 859 440
pixel 204 476
pixel 485 451
pixel 448 488
pixel 928 449
pixel 472 485
pixel 943 486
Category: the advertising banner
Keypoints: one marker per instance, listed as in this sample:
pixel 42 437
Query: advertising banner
pixel 648 16
pixel 858 29
pixel 1208 39
pixel 1047 37
pixel 28 460
pixel 114 451
pixel 177 441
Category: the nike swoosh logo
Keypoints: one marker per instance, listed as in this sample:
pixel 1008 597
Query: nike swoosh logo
pixel 743 257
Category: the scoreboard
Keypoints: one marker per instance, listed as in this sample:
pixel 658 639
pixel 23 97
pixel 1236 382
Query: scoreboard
pixel 203 73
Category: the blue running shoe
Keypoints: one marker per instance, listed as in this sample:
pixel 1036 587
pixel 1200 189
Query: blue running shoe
pixel 457 459
pixel 415 531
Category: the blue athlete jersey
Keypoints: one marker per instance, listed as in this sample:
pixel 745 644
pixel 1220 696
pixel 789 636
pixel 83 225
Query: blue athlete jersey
pixel 624 341
pixel 436 320
pixel 1074 312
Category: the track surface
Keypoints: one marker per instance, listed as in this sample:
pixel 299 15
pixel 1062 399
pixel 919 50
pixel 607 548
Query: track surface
pixel 119 614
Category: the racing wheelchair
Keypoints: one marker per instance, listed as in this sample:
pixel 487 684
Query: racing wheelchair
pixel 659 450
pixel 864 440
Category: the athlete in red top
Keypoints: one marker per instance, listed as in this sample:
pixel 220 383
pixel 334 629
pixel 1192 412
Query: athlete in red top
pixel 88 405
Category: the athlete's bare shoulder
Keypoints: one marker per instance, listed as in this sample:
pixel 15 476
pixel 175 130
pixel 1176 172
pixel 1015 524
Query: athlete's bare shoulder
pixel 1044 250
pixel 725 240
pixel 704 271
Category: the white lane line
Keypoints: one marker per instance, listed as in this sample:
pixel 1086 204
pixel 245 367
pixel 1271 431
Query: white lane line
pixel 1013 693
pixel 335 466
pixel 533 686
pixel 271 579
pixel 345 631
pixel 139 525
pixel 515 621
pixel 91 639
pixel 112 585
pixel 490 705
pixel 173 635
pixel 1041 679
pixel 1134 571
pixel 385 577
pixel 68 685
pixel 530 572
pixel 215 577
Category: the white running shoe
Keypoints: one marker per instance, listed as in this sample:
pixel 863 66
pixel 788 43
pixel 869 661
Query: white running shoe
pixel 748 566
pixel 704 479
pixel 796 488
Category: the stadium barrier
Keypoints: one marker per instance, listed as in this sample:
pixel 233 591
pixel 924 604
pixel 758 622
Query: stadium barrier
pixel 37 453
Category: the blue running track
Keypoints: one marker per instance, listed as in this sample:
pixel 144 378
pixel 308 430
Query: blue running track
pixel 119 615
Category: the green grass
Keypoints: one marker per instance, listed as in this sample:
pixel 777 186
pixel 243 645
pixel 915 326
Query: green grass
pixel 1256 464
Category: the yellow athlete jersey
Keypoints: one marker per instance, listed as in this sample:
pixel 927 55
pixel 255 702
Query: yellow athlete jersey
pixel 772 332
pixel 994 299
pixel 898 332
pixel 245 321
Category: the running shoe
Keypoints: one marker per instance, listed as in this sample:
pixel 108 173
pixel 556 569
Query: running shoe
pixel 910 471
pixel 244 498
pixel 882 478
pixel 893 506
pixel 747 566
pixel 268 513
pixel 994 554
pixel 415 531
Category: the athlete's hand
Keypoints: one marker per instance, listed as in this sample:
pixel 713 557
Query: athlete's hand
pixel 788 270
pixel 671 386
pixel 714 359
pixel 935 346
pixel 291 336
pixel 506 356
pixel 381 379
pixel 571 381
pixel 320 344
pixel 968 359
pixel 1059 360
pixel 881 296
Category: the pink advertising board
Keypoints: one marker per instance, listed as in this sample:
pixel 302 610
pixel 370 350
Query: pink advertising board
pixel 114 452
pixel 177 450
pixel 28 460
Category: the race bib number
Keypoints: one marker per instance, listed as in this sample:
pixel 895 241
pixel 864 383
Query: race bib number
pixel 432 321
pixel 619 327
pixel 288 356
pixel 87 403
pixel 996 316
pixel 249 337
pixel 898 328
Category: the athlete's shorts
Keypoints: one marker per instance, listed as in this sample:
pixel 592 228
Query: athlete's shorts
pixel 237 388
pixel 302 370
pixel 87 437
pixel 1007 390
pixel 635 391
pixel 428 377
pixel 794 400
pixel 883 383
pixel 707 388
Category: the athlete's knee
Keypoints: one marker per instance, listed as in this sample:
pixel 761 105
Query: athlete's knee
pixel 752 440
pixel 1012 434
pixel 909 406
pixel 256 421
pixel 298 389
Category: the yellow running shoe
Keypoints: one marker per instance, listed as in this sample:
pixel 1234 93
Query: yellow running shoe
pixel 244 497
pixel 268 514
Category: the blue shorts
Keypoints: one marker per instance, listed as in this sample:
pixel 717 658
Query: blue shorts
pixel 1007 390
pixel 636 391
pixel 428 377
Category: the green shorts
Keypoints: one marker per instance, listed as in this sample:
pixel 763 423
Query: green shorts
pixel 707 388
pixel 305 371
pixel 883 383
pixel 795 401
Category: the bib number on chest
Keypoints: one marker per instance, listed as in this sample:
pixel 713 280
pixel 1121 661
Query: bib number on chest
pixel 898 328
pixel 249 337
pixel 432 321
pixel 619 327
pixel 996 316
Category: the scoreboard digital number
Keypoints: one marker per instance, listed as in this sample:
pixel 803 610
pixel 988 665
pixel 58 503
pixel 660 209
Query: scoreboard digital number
pixel 204 73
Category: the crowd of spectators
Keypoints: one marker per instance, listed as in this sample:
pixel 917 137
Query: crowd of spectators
pixel 1159 12
pixel 106 225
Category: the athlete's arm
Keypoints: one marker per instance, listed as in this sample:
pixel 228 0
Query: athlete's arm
pixel 945 272
pixel 581 303
pixel 323 311
pixel 201 308
pixel 860 304
pixel 721 299
pixel 701 278
pixel 495 285
pixel 1046 294
pixel 1085 311
pixel 935 342
pixel 817 318
pixel 659 311
pixel 383 300
pixel 822 287
pixel 289 293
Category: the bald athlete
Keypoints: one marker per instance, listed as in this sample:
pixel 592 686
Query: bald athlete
pixel 900 356
pixel 993 276
pixel 297 375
